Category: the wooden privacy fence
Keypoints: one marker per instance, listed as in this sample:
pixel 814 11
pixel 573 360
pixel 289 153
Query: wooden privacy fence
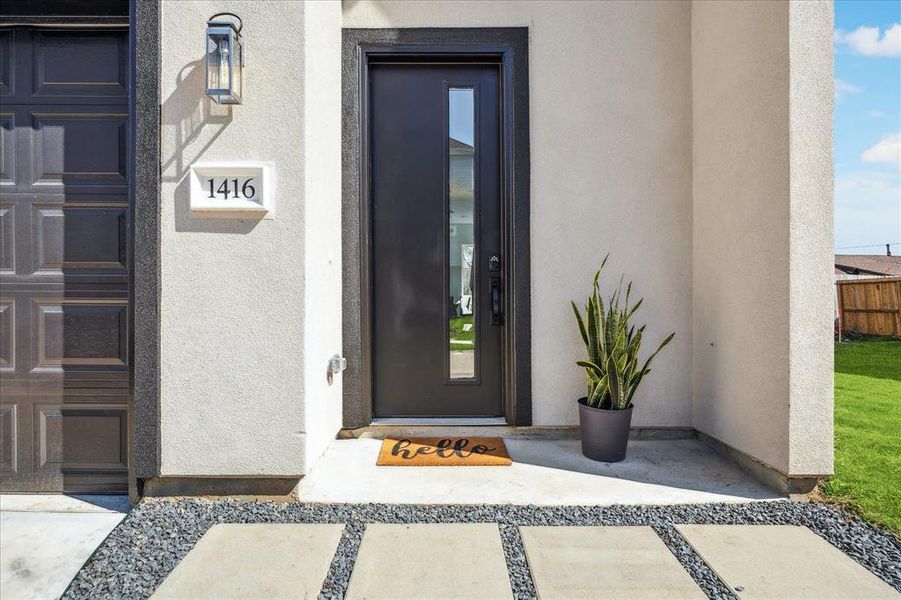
pixel 871 306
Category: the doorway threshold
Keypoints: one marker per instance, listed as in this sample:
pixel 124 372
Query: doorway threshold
pixel 441 422
pixel 492 427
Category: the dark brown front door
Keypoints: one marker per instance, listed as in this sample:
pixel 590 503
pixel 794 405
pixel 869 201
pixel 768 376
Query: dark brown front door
pixel 64 303
pixel 435 190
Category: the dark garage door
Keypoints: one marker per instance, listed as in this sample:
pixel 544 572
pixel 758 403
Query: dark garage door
pixel 64 260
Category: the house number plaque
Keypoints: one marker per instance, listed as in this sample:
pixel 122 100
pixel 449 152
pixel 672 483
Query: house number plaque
pixel 232 189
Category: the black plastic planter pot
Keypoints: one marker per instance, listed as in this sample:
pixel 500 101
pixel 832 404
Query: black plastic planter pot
pixel 605 433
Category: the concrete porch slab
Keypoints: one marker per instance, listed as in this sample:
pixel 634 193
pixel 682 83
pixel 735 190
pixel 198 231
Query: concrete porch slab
pixel 605 562
pixel 62 503
pixel 544 472
pixel 45 539
pixel 260 560
pixel 782 561
pixel 399 562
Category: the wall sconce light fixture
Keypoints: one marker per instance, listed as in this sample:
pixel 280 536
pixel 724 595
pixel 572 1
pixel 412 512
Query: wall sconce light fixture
pixel 224 58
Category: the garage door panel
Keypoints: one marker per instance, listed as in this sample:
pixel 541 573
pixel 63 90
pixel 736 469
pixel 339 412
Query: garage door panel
pixel 85 149
pixel 81 437
pixel 15 444
pixel 81 237
pixel 8 440
pixel 7 63
pixel 79 64
pixel 81 335
pixel 15 343
pixel 7 148
pixel 7 237
pixel 7 335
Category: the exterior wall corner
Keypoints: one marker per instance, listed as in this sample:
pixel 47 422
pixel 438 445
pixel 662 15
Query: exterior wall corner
pixel 762 231
pixel 322 267
pixel 740 226
pixel 811 249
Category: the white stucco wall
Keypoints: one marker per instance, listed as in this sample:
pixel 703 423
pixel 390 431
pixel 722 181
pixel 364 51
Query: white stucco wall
pixel 240 349
pixel 322 206
pixel 610 126
pixel 762 215
pixel 811 254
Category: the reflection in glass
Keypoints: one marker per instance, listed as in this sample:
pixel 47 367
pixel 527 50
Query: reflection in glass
pixel 461 249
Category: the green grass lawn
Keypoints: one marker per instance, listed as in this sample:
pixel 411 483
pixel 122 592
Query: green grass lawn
pixel 868 430
pixel 458 334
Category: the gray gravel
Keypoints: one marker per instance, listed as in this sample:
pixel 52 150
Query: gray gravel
pixel 517 565
pixel 148 544
pixel 703 575
pixel 342 566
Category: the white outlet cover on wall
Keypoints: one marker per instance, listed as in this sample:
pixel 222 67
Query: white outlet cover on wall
pixel 233 189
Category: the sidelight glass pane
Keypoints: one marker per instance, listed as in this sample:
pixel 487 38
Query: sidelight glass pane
pixel 461 240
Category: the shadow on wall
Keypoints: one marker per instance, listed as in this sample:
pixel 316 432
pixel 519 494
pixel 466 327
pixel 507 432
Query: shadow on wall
pixel 194 123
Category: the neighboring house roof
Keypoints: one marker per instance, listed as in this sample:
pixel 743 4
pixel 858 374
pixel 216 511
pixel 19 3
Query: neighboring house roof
pixel 458 147
pixel 460 191
pixel 867 264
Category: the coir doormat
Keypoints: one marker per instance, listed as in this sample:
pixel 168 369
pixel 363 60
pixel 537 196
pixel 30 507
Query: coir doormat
pixel 443 451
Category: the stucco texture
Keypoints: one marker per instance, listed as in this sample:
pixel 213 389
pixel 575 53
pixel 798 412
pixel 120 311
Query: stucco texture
pixel 610 124
pixel 811 98
pixel 322 239
pixel 762 230
pixel 232 332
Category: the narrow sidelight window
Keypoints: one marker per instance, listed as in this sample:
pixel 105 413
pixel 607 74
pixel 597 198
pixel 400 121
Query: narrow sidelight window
pixel 462 251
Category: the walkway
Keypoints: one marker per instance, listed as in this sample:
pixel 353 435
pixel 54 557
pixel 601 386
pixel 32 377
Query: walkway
pixel 232 549
pixel 414 561
pixel 45 540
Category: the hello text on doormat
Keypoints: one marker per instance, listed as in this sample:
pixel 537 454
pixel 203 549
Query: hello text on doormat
pixel 443 451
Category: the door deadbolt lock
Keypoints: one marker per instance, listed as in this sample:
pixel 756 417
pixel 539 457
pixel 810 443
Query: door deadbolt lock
pixel 495 290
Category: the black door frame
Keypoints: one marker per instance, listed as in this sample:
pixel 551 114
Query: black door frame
pixel 146 59
pixel 508 47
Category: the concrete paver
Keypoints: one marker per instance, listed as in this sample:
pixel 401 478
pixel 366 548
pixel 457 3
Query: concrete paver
pixel 398 562
pixel 604 562
pixel 258 560
pixel 45 540
pixel 782 561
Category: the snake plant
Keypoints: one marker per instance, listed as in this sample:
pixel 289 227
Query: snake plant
pixel 611 371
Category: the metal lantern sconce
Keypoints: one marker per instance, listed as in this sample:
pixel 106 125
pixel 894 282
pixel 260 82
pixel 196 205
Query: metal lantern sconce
pixel 224 59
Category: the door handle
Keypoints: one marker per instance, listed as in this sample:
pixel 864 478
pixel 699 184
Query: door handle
pixel 494 285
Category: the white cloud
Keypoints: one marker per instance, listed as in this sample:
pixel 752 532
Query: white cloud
pixel 867 208
pixel 843 87
pixel 887 150
pixel 870 42
pixel 878 114
pixel 877 185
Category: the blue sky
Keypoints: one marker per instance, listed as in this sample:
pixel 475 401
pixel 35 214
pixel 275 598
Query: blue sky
pixel 461 116
pixel 867 126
